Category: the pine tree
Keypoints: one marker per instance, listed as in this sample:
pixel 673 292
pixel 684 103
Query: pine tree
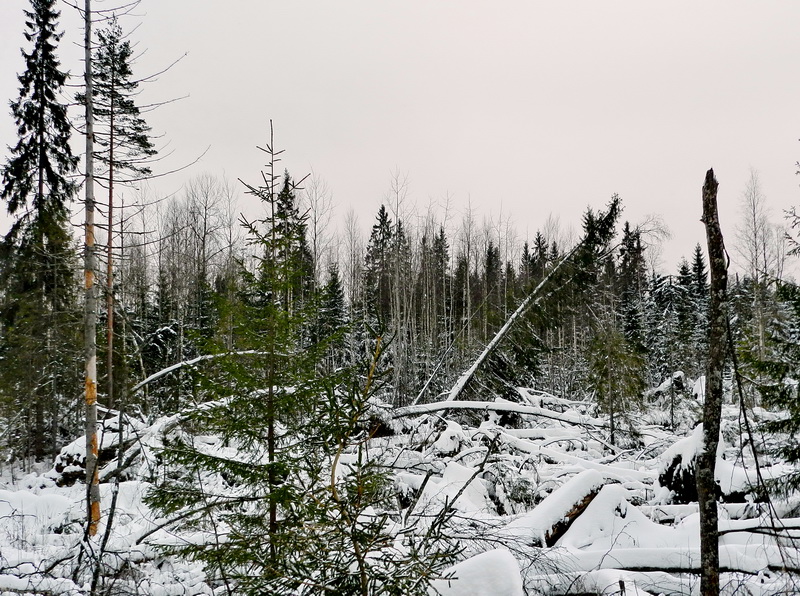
pixel 39 301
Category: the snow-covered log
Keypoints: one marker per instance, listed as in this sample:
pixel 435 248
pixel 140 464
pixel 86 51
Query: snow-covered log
pixel 493 573
pixel 552 517
pixel 497 406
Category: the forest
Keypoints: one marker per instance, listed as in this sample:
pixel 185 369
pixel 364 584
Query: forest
pixel 196 401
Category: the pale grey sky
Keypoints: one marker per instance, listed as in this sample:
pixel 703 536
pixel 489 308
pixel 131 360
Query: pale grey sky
pixel 539 107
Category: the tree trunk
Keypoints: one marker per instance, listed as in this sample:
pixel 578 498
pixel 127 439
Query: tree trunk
pixel 110 260
pixel 712 410
pixel 90 298
pixel 529 301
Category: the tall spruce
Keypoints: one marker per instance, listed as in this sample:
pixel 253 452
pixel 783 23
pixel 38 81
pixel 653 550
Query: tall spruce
pixel 38 256
pixel 36 178
pixel 632 285
pixel 378 268
pixel 331 321
pixel 776 375
pixel 293 501
pixel 698 292
pixel 122 146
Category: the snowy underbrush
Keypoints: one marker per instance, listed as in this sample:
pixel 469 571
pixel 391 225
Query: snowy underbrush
pixel 530 496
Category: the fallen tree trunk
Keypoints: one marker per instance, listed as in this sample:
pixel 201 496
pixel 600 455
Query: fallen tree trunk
pixel 598 232
pixel 529 301
pixel 497 407
pixel 550 519
pixel 733 558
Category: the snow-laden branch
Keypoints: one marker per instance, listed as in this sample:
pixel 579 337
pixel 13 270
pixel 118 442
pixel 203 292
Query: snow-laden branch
pixel 610 472
pixel 493 406
pixel 174 367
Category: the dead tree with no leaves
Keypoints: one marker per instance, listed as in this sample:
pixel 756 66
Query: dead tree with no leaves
pixel 90 301
pixel 712 410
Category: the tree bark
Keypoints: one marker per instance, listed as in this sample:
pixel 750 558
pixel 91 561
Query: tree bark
pixel 110 259
pixel 712 409
pixel 90 298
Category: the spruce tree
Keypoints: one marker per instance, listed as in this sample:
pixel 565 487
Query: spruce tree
pixel 292 501
pixel 540 256
pixel 776 376
pixel 378 268
pixel 36 178
pixel 698 292
pixel 39 301
pixel 332 321
pixel 616 372
pixel 631 282
pixel 122 146
pixel 123 137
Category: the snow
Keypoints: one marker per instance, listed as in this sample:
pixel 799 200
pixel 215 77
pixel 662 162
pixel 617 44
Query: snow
pixel 450 440
pixel 498 486
pixel 492 573
pixel 699 388
pixel 533 527
pixel 686 448
pixel 457 488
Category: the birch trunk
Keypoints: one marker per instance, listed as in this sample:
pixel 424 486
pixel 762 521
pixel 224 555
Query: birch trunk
pixel 90 298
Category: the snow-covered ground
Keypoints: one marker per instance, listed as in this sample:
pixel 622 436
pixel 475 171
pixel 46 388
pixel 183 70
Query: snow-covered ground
pixel 542 504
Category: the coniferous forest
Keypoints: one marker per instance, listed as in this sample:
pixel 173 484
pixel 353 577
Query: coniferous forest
pixel 196 401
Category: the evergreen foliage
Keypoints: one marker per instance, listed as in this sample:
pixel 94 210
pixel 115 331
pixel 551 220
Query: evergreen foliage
pixel 292 501
pixel 122 136
pixel 776 377
pixel 378 268
pixel 36 177
pixel 615 372
pixel 39 333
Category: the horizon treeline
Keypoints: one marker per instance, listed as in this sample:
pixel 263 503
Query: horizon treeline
pixel 181 276
pixel 606 328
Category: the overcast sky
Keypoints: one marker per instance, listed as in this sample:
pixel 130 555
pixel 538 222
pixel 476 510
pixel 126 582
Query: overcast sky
pixel 532 107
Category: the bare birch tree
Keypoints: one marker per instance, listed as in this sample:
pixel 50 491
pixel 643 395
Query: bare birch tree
pixel 317 200
pixel 760 250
